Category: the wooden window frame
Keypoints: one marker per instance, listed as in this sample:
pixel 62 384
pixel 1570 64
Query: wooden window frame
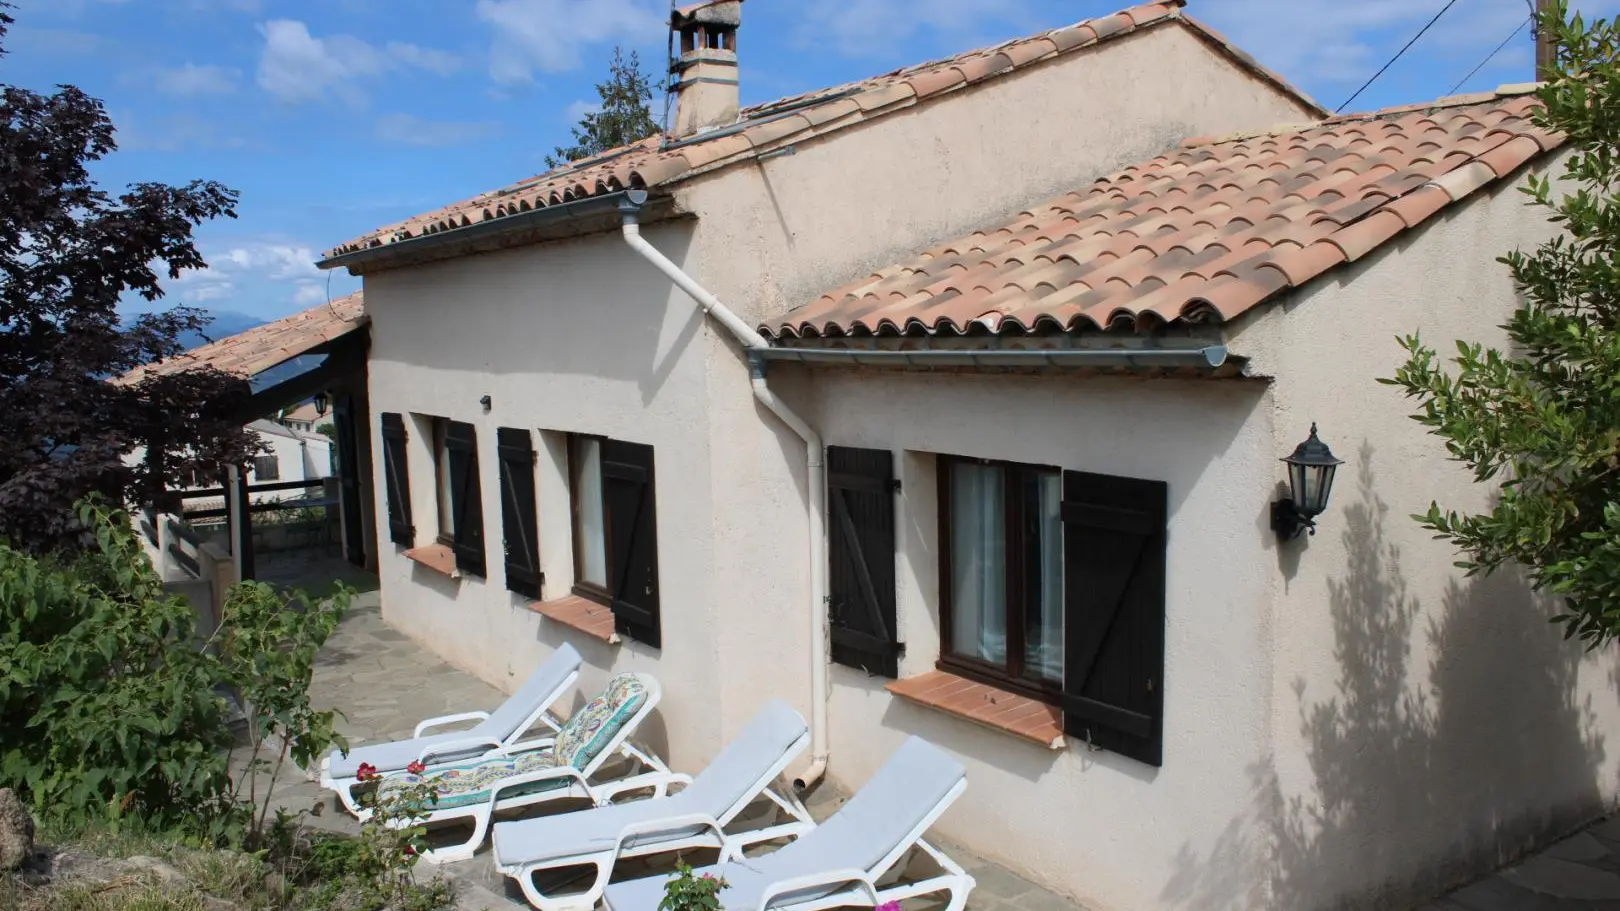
pixel 589 590
pixel 274 461
pixel 1010 677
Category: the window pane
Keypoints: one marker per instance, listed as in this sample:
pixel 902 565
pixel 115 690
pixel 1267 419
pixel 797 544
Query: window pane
pixel 591 536
pixel 441 458
pixel 1043 615
pixel 978 562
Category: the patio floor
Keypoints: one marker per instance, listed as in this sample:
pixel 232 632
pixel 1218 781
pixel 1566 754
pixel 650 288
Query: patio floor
pixel 385 683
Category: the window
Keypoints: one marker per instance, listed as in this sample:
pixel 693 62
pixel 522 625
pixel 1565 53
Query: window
pixel 1052 586
pixel 616 531
pixel 441 481
pixel 396 476
pixel 266 468
pixel 1003 582
pixel 590 519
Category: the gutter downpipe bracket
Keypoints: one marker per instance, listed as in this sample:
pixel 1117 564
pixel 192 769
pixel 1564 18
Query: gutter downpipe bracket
pixel 756 347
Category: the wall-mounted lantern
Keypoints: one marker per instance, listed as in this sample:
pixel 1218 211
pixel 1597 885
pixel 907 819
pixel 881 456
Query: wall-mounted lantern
pixel 323 401
pixel 1310 481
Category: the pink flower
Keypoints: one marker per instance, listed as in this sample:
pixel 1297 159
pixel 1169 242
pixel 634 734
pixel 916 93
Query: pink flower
pixel 367 772
pixel 888 906
pixel 416 767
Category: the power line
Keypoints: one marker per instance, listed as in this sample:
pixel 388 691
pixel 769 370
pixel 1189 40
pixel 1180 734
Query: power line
pixel 1398 55
pixel 1488 58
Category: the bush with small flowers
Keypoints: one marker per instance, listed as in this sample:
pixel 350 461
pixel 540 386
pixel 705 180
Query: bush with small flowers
pixel 393 837
pixel 686 892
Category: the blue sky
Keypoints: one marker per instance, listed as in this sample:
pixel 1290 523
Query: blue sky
pixel 333 117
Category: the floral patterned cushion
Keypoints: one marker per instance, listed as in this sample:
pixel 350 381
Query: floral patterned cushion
pixel 587 731
pixel 582 738
pixel 470 783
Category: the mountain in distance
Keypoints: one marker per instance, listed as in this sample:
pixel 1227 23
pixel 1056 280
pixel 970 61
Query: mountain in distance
pixel 226 323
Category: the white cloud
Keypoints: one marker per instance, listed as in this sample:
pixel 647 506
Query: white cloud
pixel 442 63
pixel 249 265
pixel 298 67
pixel 175 132
pixel 192 79
pixel 1343 42
pixel 547 35
pixel 409 129
pixel 308 294
pixel 869 28
pixel 576 112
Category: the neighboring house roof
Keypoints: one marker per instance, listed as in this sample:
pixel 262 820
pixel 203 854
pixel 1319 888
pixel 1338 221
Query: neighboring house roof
pixel 1203 233
pixel 262 347
pixel 267 426
pixel 305 412
pixel 655 162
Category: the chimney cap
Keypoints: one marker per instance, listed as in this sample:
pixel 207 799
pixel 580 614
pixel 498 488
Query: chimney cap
pixel 708 12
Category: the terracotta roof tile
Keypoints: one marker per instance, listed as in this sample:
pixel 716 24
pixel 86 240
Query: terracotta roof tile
pixel 653 162
pixel 1205 232
pixel 262 347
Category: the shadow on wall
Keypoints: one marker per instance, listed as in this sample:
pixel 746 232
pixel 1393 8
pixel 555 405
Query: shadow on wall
pixel 1421 778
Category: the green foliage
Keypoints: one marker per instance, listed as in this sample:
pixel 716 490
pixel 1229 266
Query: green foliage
pixel 624 116
pixel 1543 419
pixel 686 892
pixel 107 708
pixel 111 710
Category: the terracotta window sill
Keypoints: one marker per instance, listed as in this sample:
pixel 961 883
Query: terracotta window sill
pixel 437 557
pixel 993 708
pixel 592 619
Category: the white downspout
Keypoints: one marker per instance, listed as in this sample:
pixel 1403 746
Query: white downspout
pixel 816 481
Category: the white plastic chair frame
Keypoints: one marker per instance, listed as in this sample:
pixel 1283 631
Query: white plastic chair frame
pixel 653 773
pixel 434 754
pixel 861 888
pixel 643 839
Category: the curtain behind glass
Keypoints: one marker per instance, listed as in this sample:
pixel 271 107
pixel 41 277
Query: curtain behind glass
pixel 591 540
pixel 978 562
pixel 1043 635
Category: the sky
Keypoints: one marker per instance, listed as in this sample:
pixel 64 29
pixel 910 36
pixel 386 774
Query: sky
pixel 336 117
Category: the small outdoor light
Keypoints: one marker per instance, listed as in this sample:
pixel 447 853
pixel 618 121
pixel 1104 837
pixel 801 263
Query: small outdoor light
pixel 322 402
pixel 1310 480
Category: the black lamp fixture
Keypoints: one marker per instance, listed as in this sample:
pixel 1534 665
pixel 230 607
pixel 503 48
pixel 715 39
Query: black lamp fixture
pixel 1310 481
pixel 322 402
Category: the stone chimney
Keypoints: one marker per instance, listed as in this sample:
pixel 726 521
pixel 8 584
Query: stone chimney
pixel 704 75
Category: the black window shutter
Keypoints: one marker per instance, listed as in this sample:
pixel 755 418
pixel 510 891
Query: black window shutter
pixel 632 522
pixel 860 558
pixel 519 525
pixel 397 480
pixel 1114 556
pixel 466 498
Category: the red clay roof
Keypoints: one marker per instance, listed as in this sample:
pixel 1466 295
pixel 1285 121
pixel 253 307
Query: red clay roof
pixel 262 347
pixel 1203 233
pixel 649 163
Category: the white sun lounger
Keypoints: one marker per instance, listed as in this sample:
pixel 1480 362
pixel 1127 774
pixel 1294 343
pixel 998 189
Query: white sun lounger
pixel 695 816
pixel 496 732
pixel 567 766
pixel 854 858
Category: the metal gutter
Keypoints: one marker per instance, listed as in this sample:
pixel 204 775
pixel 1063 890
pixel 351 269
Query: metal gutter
pixel 606 204
pixel 1208 357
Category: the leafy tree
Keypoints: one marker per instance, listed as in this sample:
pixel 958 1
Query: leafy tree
pixel 624 117
pixel 69 252
pixel 1543 418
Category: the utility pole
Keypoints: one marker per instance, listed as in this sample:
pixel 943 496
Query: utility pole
pixel 1544 44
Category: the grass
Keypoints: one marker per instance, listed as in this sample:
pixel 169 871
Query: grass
pixel 101 878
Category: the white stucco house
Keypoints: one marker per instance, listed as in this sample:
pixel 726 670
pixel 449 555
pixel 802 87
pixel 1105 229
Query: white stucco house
pixel 951 403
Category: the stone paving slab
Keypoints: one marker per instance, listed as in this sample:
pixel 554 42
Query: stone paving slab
pixel 385 683
pixel 1580 873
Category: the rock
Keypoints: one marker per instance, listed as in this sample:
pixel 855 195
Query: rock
pixel 16 831
pixel 158 867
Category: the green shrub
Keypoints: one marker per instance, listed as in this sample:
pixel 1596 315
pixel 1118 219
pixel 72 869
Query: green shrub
pixel 110 712
pixel 107 708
